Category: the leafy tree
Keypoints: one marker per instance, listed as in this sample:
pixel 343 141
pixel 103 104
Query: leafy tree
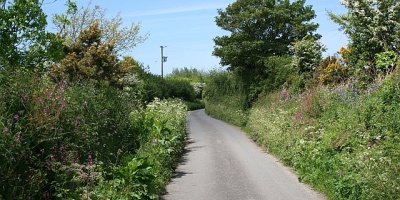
pixel 23 38
pixel 75 20
pixel 259 29
pixel 373 26
pixel 191 74
pixel 307 54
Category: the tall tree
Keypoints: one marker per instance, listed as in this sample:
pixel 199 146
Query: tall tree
pixel 259 29
pixel 373 26
pixel 23 38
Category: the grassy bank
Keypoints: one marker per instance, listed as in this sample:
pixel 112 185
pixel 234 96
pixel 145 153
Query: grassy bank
pixel 343 140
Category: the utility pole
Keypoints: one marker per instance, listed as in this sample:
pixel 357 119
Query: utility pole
pixel 163 59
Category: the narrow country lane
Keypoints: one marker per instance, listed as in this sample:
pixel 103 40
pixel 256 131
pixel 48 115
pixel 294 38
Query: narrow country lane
pixel 220 163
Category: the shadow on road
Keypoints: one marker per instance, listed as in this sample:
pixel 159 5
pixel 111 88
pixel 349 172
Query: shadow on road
pixel 190 147
pixel 179 172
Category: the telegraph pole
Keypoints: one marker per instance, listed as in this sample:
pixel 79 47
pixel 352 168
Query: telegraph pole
pixel 163 59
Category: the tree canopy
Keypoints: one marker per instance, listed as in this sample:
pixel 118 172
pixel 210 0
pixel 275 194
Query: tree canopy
pixel 259 29
pixel 23 38
pixel 373 26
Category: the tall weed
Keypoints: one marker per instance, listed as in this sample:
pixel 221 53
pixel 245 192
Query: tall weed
pixel 62 140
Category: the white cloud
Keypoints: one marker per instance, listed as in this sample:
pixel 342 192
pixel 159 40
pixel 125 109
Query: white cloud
pixel 182 9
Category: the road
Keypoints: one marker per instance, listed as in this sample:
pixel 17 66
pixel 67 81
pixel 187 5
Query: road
pixel 220 162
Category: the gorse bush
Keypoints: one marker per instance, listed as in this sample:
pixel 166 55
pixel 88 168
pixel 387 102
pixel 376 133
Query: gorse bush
pixel 332 70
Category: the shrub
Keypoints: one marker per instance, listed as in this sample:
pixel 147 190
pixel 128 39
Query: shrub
pixel 180 88
pixel 307 54
pixel 63 139
pixel 334 73
pixel 386 61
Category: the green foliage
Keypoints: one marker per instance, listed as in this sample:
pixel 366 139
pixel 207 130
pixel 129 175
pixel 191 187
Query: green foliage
pixel 180 88
pixel 372 27
pixel 23 39
pixel 307 54
pixel 195 105
pixel 386 61
pixel 155 86
pixel 260 29
pixel 340 140
pixel 277 70
pixel 63 139
pixel 260 35
pixel 224 98
pixel 193 75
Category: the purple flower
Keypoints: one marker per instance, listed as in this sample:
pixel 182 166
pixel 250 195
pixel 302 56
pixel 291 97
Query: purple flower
pixel 5 130
pixel 76 122
pixel 90 159
pixel 24 97
pixel 16 117
pixel 48 164
pixel 17 139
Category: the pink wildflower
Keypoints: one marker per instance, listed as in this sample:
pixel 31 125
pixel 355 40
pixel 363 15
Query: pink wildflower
pixel 90 159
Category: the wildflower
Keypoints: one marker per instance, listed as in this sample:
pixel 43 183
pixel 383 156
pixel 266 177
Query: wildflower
pixel 369 145
pixel 81 176
pixel 24 97
pixel 85 103
pixel 16 117
pixel 48 164
pixel 76 122
pixel 5 130
pixel 17 139
pixel 90 159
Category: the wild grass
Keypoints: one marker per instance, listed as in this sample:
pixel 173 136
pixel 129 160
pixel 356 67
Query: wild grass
pixel 343 140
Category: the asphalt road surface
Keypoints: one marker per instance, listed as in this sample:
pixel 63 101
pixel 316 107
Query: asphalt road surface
pixel 220 162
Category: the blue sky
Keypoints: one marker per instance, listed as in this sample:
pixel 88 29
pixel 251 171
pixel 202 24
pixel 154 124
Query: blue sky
pixel 187 28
